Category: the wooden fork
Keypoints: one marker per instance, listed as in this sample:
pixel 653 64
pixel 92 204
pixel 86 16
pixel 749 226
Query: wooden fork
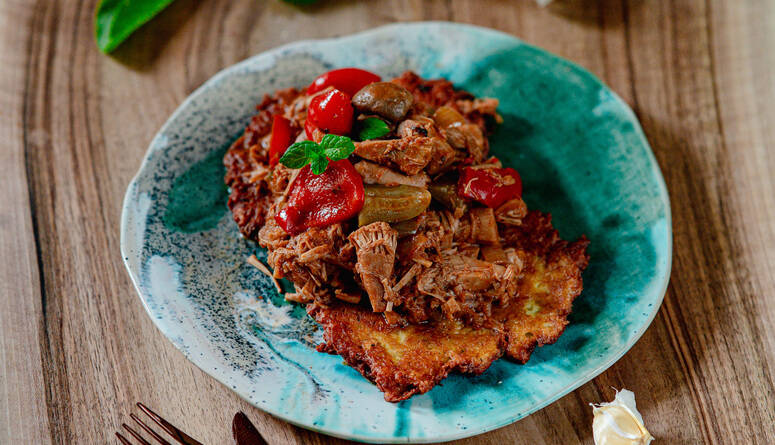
pixel 171 429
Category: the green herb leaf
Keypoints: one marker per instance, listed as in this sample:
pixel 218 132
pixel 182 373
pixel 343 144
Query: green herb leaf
pixel 372 128
pixel 318 164
pixel 337 147
pixel 115 20
pixel 309 152
pixel 299 154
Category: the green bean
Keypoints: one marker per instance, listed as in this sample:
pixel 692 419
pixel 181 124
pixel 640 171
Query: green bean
pixel 392 204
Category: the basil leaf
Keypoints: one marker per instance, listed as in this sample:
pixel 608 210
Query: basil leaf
pixel 318 164
pixel 372 128
pixel 337 147
pixel 299 154
pixel 115 20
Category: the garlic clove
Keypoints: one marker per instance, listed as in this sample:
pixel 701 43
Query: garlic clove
pixel 619 422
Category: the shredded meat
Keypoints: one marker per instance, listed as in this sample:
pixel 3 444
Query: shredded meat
pixel 407 360
pixel 468 287
pixel 410 154
pixel 511 212
pixel 406 302
pixel 483 227
pixel 494 253
pixel 246 169
pixel 376 174
pixel 375 246
pixel 442 154
pixel 248 200
pixel 432 94
pixel 319 260
pixel 261 124
pixel 461 134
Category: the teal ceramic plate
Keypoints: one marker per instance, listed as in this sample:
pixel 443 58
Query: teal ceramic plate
pixel 582 156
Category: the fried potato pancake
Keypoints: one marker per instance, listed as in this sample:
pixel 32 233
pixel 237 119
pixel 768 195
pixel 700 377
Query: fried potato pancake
pixel 539 318
pixel 409 360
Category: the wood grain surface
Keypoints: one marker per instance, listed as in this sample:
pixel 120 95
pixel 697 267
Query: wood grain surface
pixel 77 349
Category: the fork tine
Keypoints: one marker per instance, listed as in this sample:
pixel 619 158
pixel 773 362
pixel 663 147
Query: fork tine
pixel 149 430
pixel 135 434
pixel 171 429
pixel 123 439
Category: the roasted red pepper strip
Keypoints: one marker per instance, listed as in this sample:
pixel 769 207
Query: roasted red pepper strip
pixel 321 200
pixel 490 186
pixel 281 139
pixel 349 80
pixel 312 131
pixel 331 112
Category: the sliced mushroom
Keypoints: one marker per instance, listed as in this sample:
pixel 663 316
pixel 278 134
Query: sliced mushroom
pixel 386 99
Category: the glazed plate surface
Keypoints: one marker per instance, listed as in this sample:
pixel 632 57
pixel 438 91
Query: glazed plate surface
pixel 582 157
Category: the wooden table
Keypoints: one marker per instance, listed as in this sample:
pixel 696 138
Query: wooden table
pixel 77 348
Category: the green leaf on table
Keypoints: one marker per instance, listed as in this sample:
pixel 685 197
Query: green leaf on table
pixel 337 147
pixel 115 20
pixel 372 128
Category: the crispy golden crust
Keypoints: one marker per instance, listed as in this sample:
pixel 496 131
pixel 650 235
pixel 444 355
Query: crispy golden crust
pixel 403 361
pixel 548 286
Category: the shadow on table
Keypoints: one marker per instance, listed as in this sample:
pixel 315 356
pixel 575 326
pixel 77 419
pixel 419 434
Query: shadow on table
pixel 593 12
pixel 144 46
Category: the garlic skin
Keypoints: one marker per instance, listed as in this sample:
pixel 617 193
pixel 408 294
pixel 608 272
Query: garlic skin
pixel 619 422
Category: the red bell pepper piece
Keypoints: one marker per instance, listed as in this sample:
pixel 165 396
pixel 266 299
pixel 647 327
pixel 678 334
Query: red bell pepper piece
pixel 312 131
pixel 490 186
pixel 320 200
pixel 349 80
pixel 331 112
pixel 281 139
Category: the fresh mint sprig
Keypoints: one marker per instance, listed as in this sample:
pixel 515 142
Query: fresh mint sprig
pixel 331 147
pixel 372 128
